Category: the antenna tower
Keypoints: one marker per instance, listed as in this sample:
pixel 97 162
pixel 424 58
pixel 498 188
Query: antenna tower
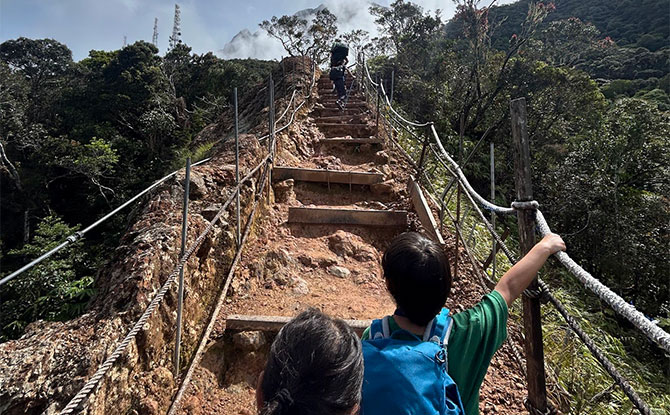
pixel 154 39
pixel 175 39
pixel 125 40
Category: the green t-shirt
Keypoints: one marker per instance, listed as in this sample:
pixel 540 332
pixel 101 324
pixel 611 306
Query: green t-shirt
pixel 475 336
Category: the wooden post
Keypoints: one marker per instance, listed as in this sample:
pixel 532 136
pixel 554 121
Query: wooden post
pixel 535 375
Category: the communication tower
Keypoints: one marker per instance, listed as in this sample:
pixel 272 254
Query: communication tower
pixel 154 39
pixel 175 39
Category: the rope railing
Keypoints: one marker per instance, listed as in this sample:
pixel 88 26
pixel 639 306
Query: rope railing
pixel 453 169
pixel 93 383
pixel 97 377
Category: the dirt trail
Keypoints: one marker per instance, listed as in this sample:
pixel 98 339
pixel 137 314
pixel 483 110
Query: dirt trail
pixel 287 267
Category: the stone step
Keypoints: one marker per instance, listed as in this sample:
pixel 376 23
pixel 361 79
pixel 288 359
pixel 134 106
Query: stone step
pixel 280 173
pixel 355 217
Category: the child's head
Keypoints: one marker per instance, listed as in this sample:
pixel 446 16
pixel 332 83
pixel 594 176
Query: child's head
pixel 315 366
pixel 417 276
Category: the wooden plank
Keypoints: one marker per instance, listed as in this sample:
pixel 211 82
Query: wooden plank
pixel 273 324
pixel 423 211
pixel 333 216
pixel 325 176
pixel 337 124
pixel 342 140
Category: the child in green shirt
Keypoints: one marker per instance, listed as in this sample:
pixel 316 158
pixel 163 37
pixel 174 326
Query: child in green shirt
pixel 418 277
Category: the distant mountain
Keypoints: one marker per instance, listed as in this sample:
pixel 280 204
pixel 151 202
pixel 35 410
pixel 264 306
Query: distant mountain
pixel 632 23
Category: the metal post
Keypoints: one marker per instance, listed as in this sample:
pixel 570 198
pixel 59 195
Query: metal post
pixel 493 215
pixel 458 193
pixel 535 374
pixel 422 157
pixel 377 117
pixel 180 293
pixel 392 85
pixel 271 140
pixel 237 168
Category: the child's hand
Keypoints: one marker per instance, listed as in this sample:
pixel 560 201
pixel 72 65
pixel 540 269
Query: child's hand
pixel 551 244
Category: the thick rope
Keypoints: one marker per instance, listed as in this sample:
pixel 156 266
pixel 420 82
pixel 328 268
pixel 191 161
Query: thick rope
pixel 94 381
pixel 642 323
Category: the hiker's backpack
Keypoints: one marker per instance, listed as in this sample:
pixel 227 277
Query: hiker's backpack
pixel 409 376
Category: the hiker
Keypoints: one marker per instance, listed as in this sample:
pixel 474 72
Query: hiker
pixel 398 377
pixel 315 366
pixel 338 67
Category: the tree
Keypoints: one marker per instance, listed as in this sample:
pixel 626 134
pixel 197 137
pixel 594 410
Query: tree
pixel 609 197
pixel 403 24
pixel 44 63
pixel 300 37
pixel 51 290
pixel 358 40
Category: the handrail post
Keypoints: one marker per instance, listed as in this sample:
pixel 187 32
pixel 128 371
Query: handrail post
pixel 392 85
pixel 422 157
pixel 535 374
pixel 237 168
pixel 271 143
pixel 377 117
pixel 493 215
pixel 180 293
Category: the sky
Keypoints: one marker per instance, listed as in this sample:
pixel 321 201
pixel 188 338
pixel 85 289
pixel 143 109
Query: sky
pixel 206 25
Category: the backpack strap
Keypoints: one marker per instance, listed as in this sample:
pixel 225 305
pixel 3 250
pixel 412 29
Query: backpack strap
pixel 439 328
pixel 380 329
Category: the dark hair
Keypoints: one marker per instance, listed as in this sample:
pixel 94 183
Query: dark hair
pixel 417 276
pixel 315 367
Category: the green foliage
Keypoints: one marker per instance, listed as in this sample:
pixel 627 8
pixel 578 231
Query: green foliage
pixel 77 138
pixel 51 290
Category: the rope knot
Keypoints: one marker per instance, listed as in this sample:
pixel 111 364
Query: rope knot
pixel 527 205
pixel 284 399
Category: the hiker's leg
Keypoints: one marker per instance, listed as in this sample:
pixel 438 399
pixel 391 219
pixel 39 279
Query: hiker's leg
pixel 341 90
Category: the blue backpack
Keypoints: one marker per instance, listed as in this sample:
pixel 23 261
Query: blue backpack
pixel 409 376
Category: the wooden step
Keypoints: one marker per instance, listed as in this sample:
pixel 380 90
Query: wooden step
pixel 357 217
pixel 338 125
pixel 338 112
pixel 325 176
pixel 341 118
pixel 272 324
pixel 344 140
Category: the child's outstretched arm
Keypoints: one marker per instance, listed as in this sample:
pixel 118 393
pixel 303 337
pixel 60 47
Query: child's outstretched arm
pixel 519 277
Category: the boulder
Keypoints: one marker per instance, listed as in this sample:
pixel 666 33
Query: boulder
pixel 381 157
pixel 339 272
pixel 300 286
pixel 383 188
pixel 284 191
pixel 197 187
pixel 341 244
pixel 249 340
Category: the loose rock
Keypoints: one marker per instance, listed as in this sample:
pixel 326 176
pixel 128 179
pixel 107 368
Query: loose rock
pixel 338 271
pixel 383 188
pixel 249 340
pixel 284 191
